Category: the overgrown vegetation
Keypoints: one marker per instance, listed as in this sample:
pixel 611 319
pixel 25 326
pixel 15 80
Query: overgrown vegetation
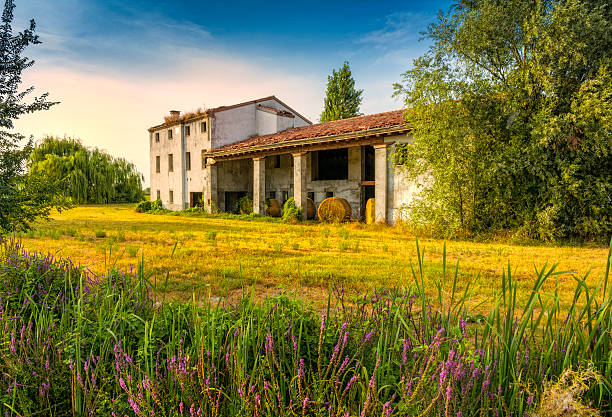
pixel 291 212
pixel 511 109
pixel 89 175
pixel 78 344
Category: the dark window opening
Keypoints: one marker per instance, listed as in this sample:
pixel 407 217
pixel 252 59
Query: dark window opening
pixel 330 165
pixel 277 160
pixel 170 163
pixel 203 127
pixel 157 164
pixel 272 194
pixel 329 194
pixel 157 137
pixel 158 195
pixel 187 161
pixel 195 199
pixel 187 130
pixel 311 195
pixel 171 196
pixel 169 133
pixel 231 201
pixel 368 163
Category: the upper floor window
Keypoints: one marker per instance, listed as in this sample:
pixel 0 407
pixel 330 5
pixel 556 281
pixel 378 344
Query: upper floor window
pixel 187 161
pixel 157 137
pixel 169 133
pixel 170 163
pixel 187 130
pixel 203 158
pixel 157 164
pixel 203 127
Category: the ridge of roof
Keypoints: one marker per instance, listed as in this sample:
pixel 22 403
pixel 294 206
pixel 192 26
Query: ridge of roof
pixel 390 119
pixel 212 111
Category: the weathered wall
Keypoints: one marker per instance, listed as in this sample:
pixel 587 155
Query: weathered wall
pixel 195 143
pixel 164 181
pixel 401 189
pixel 234 176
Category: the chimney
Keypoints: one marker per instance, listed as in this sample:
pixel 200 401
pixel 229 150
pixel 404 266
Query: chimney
pixel 175 114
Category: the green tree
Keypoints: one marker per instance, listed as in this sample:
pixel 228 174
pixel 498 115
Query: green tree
pixel 89 176
pixel 342 100
pixel 23 198
pixel 511 109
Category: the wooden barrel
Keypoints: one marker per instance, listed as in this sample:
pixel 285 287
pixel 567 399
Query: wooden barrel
pixel 334 210
pixel 311 209
pixel 274 208
pixel 370 211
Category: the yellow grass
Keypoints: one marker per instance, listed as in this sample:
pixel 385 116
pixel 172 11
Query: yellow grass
pixel 215 255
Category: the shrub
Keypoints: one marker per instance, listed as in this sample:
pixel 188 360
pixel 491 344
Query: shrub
pixel 244 205
pixel 143 207
pixel 291 212
pixel 100 234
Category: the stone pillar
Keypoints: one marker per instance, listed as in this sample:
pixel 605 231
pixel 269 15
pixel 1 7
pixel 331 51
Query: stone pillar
pixel 380 176
pixel 259 186
pixel 300 171
pixel 210 196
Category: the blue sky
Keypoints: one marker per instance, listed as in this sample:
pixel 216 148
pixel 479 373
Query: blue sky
pixel 118 67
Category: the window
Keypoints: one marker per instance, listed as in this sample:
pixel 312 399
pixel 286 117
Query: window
pixel 157 137
pixel 203 127
pixel 311 195
pixel 187 130
pixel 157 164
pixel 277 161
pixel 330 165
pixel 169 133
pixel 272 194
pixel 203 159
pixel 170 163
pixel 171 196
pixel 329 194
pixel 188 161
pixel 158 195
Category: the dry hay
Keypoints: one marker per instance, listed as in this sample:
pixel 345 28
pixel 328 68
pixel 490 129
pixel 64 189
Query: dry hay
pixel 370 211
pixel 274 208
pixel 334 210
pixel 311 209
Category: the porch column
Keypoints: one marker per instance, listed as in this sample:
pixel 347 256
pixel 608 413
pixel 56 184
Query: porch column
pixel 380 186
pixel 300 171
pixel 210 187
pixel 259 186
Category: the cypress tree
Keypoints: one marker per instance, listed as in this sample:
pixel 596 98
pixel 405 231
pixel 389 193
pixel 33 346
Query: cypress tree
pixel 342 99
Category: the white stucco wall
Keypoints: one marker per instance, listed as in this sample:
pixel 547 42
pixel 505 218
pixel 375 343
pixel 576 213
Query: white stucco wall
pixel 164 181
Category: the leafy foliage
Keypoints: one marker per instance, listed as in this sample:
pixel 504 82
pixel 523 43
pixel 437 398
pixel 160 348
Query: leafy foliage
pixel 91 176
pixel 291 212
pixel 511 109
pixel 342 100
pixel 23 198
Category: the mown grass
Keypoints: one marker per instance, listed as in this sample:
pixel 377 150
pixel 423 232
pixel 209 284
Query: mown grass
pixel 222 254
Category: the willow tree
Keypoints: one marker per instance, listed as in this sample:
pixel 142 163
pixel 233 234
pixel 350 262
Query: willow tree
pixel 512 115
pixel 89 175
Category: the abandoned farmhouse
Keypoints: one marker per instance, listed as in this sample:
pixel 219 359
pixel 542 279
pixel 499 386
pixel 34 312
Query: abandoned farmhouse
pixel 265 149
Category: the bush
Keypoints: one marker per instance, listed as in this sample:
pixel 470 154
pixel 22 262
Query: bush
pixel 244 205
pixel 291 212
pixel 143 207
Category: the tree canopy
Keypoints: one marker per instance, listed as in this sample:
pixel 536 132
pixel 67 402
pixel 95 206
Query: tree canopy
pixel 88 175
pixel 23 198
pixel 512 114
pixel 342 99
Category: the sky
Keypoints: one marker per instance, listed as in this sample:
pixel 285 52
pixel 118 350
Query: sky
pixel 118 67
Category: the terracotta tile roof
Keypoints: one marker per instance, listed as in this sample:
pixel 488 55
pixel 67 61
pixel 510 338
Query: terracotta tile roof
pixel 337 127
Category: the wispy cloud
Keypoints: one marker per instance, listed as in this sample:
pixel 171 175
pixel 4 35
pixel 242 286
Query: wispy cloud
pixel 399 28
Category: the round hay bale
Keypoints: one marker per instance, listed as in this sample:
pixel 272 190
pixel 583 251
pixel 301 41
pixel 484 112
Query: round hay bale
pixel 311 209
pixel 274 208
pixel 334 210
pixel 370 211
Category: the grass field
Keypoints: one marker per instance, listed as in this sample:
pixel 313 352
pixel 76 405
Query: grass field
pixel 214 255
